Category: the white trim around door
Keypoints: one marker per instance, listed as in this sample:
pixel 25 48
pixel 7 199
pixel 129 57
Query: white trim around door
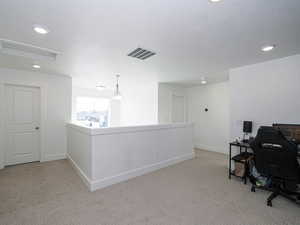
pixel 43 108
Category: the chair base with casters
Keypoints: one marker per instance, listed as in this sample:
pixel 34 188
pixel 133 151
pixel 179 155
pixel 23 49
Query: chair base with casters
pixel 275 158
pixel 278 190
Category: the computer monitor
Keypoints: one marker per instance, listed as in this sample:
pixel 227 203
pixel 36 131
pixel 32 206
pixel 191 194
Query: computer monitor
pixel 290 131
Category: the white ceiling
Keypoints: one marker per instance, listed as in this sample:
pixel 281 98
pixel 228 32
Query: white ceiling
pixel 192 38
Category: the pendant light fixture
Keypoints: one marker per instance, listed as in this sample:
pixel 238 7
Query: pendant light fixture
pixel 117 94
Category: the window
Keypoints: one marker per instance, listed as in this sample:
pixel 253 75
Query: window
pixel 93 112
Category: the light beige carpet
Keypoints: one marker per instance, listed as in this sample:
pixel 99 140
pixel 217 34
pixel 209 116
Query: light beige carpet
pixel 193 192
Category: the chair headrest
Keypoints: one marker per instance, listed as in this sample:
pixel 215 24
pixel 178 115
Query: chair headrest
pixel 270 137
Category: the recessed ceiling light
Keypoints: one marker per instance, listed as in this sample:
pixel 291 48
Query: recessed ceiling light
pixel 214 1
pixel 268 48
pixel 40 29
pixel 35 66
pixel 203 81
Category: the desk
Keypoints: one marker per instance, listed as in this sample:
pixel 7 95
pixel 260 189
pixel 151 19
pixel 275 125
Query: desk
pixel 242 146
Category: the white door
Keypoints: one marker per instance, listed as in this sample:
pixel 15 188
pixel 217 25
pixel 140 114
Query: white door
pixel 178 109
pixel 22 119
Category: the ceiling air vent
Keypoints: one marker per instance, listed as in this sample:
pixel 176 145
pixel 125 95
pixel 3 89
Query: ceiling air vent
pixel 26 50
pixel 141 53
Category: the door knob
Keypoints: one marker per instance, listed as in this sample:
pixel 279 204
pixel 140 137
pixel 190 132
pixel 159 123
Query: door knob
pixel 37 128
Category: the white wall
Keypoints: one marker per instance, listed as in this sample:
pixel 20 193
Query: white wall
pixel 139 102
pixel 265 93
pixel 211 129
pixel 165 92
pixel 115 113
pixel 56 109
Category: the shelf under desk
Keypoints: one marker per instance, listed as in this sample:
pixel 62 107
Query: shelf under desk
pixel 243 149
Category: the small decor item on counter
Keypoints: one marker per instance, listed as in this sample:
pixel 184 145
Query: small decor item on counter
pixel 238 139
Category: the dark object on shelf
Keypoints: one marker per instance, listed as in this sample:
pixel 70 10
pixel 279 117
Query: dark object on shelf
pixel 206 109
pixel 242 157
pixel 241 164
pixel 247 141
pixel 276 158
pixel 247 127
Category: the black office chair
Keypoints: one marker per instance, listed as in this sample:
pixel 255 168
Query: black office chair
pixel 276 158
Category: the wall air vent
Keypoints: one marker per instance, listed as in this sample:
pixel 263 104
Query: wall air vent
pixel 26 50
pixel 141 54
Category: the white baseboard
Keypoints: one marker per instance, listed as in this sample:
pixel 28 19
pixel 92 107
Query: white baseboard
pixel 45 159
pixel 53 157
pixel 98 184
pixel 82 175
pixel 212 148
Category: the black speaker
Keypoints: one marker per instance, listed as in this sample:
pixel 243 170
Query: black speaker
pixel 247 128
